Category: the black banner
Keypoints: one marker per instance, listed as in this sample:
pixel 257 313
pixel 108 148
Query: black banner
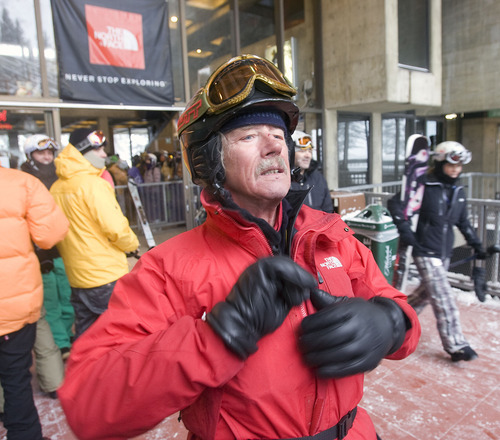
pixel 113 52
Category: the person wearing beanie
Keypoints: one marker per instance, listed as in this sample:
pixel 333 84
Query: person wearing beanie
pixel 444 206
pixel 260 322
pixel 319 197
pixel 94 251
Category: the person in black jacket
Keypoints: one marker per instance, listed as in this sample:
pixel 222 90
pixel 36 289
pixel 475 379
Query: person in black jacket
pixel 40 152
pixel 443 207
pixel 319 196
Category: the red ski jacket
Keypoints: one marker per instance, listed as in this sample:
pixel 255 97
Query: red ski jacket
pixel 151 354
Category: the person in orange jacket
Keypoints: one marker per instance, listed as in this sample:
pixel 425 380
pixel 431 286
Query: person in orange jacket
pixel 28 214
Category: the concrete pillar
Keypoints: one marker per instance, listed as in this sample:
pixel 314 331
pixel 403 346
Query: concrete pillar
pixel 375 156
pixel 330 151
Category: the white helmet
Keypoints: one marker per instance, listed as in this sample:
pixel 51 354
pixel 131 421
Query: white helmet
pixel 302 139
pixel 39 142
pixel 452 152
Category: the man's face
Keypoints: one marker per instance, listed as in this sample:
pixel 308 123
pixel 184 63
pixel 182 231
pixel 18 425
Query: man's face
pixel 303 157
pixel 43 156
pixel 257 167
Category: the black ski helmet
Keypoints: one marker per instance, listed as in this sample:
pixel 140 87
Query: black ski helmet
pixel 244 83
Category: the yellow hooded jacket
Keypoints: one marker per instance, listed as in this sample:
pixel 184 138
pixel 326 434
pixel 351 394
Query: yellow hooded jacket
pixel 99 233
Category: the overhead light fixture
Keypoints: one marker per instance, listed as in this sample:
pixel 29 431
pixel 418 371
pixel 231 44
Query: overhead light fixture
pixel 198 53
pixel 451 116
pixel 174 19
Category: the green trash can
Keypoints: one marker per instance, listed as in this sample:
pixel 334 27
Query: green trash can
pixel 373 226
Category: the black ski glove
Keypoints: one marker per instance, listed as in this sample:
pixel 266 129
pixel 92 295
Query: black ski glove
pixel 480 252
pixel 350 335
pixel 259 302
pixel 47 265
pixel 480 286
pixel 134 254
pixel 407 237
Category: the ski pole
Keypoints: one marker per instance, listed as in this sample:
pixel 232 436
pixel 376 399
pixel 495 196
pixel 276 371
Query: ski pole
pixel 493 249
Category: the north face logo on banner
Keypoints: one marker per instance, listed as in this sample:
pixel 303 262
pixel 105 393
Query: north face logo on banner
pixel 115 37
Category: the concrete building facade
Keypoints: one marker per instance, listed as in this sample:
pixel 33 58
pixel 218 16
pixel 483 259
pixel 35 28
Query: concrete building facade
pixel 368 75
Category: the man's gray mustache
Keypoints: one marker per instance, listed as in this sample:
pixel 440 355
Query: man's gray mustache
pixel 275 162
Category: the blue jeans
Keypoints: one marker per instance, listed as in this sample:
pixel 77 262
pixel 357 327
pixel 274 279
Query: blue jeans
pixel 20 415
pixel 89 304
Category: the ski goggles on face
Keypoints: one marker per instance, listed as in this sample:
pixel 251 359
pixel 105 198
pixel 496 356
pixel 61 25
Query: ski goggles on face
pixel 462 156
pixel 46 144
pixel 231 84
pixel 95 139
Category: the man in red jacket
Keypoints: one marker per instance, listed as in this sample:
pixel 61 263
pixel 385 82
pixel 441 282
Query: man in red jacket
pixel 260 322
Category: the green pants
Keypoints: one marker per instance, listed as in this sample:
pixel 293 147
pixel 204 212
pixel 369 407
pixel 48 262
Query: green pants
pixel 60 314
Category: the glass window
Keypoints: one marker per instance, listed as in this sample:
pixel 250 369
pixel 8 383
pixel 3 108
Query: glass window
pixel 396 129
pixel 294 13
pixel 434 129
pixel 15 127
pixel 256 14
pixel 413 33
pixel 393 148
pixel 353 141
pixel 129 142
pixel 208 28
pixel 19 63
pixel 49 47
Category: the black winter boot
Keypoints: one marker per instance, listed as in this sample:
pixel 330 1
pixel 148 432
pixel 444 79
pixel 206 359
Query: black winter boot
pixel 464 354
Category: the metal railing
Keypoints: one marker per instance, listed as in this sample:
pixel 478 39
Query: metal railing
pixel 483 203
pixel 481 185
pixel 163 204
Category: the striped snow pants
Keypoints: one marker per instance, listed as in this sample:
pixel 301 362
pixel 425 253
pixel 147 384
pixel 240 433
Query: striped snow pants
pixel 436 289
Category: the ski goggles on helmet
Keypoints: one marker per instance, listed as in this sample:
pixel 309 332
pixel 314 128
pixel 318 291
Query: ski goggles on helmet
pixel 462 156
pixel 231 84
pixel 304 143
pixel 95 139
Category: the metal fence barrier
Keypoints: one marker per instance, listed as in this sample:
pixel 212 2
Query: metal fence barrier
pixel 483 201
pixel 163 204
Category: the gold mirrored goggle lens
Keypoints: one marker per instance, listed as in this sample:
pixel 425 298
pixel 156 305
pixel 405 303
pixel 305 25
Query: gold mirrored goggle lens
pixel 45 144
pixel 304 141
pixel 230 84
pixel 236 79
